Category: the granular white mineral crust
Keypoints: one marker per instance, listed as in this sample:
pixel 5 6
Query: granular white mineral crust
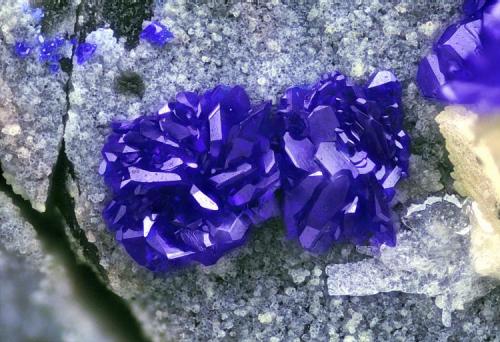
pixel 431 258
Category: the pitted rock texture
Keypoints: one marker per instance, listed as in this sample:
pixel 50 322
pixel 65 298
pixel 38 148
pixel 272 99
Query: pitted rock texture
pixel 269 290
pixel 32 107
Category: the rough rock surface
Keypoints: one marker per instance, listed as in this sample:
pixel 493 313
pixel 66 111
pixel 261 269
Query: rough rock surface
pixel 37 300
pixel 269 290
pixel 32 107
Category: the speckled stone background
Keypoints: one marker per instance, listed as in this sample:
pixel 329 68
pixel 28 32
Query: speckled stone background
pixel 269 290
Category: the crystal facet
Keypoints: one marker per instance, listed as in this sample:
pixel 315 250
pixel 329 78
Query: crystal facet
pixel 84 52
pixel 157 34
pixel 190 181
pixel 463 67
pixel 341 155
pixel 22 49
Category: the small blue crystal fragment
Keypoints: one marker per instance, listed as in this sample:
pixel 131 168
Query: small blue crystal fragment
pixel 157 34
pixel 342 152
pixel 189 182
pixel 84 52
pixel 22 49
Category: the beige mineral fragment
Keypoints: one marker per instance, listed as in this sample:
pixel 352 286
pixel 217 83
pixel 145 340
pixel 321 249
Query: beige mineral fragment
pixel 473 143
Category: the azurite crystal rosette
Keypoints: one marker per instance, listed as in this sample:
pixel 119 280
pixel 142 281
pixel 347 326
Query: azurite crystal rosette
pixel 342 152
pixel 463 66
pixel 189 182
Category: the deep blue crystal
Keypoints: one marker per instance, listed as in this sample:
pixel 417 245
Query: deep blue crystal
pixel 190 181
pixel 157 34
pixel 22 49
pixel 84 52
pixel 463 65
pixel 342 152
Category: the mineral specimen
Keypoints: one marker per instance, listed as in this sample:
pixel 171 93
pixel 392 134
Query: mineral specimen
pixel 463 66
pixel 157 34
pixel 191 180
pixel 84 52
pixel 342 152
pixel 265 49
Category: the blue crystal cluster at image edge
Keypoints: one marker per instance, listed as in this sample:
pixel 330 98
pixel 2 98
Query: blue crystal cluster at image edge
pixel 463 66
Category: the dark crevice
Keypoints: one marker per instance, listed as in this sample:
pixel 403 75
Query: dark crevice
pixel 59 196
pixel 125 17
pixel 60 199
pixel 106 306
pixel 60 234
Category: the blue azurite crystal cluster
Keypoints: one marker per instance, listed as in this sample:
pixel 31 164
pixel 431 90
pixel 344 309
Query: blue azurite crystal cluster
pixel 463 67
pixel 51 50
pixel 190 181
pixel 343 151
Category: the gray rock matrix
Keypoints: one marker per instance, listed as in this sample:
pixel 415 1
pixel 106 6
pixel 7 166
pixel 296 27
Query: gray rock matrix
pixel 270 290
pixel 32 106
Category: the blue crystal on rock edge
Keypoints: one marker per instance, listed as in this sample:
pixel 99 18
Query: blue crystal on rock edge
pixel 342 152
pixel 190 181
pixel 463 67
pixel 157 34
pixel 84 52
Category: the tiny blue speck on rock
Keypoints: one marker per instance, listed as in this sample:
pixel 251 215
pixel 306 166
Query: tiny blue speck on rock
pixel 54 67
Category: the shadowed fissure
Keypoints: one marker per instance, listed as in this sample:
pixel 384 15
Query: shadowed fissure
pixel 93 294
pixel 58 230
